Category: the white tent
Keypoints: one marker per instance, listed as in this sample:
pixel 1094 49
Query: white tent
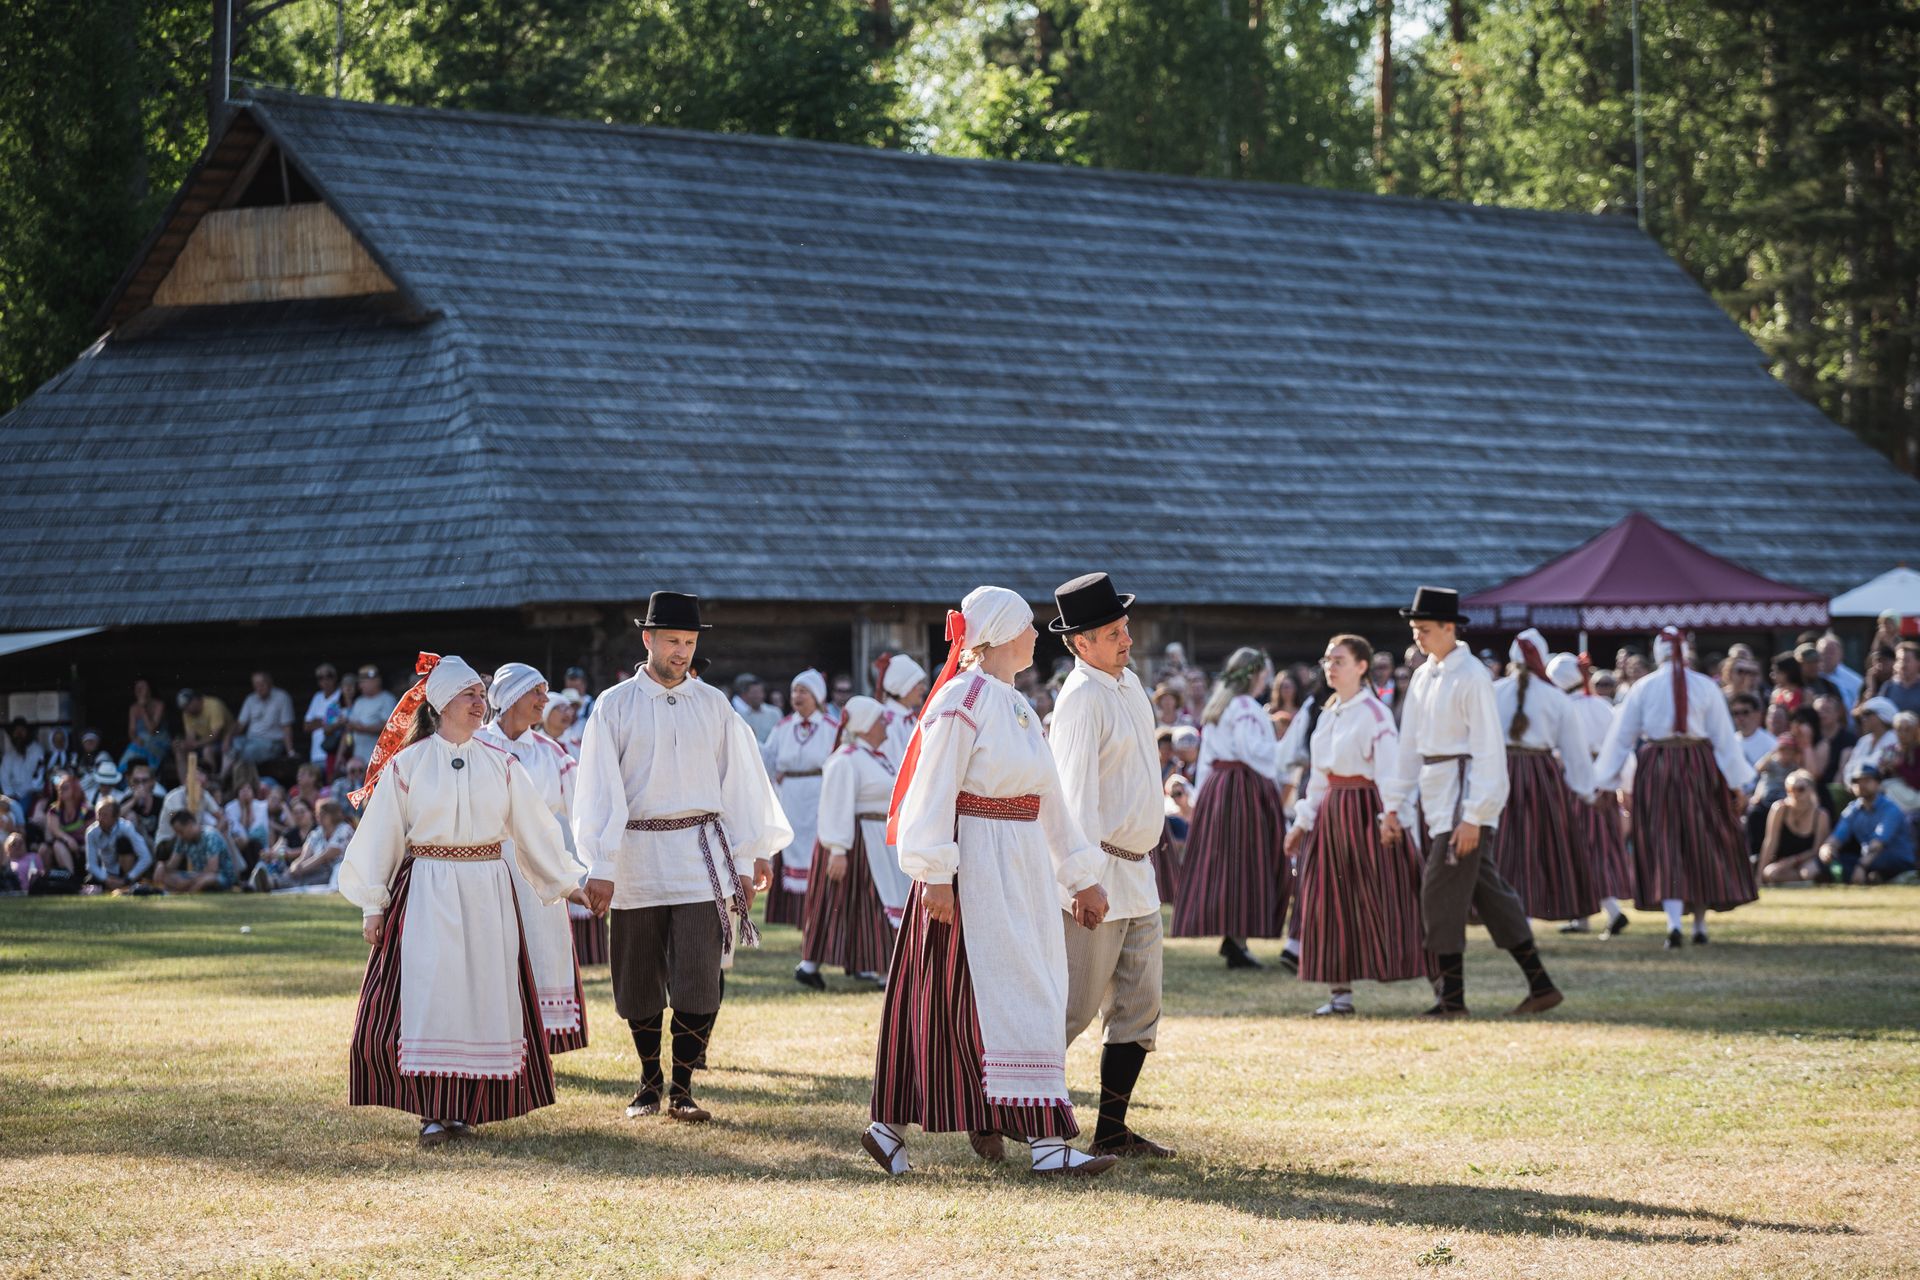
pixel 1896 589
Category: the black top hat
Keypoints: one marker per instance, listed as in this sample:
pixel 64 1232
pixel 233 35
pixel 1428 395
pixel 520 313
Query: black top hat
pixel 672 611
pixel 1435 604
pixel 1088 601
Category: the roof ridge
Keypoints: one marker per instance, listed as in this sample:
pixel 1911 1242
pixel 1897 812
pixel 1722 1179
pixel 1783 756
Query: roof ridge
pixel 1127 177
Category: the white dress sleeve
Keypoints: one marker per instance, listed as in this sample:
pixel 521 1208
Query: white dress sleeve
pixel 1077 860
pixel 537 847
pixel 600 799
pixel 927 848
pixel 1309 804
pixel 839 801
pixel 1487 783
pixel 756 823
pixel 1250 736
pixel 1734 768
pixel 378 845
pixel 1397 795
pixel 1622 738
pixel 1576 759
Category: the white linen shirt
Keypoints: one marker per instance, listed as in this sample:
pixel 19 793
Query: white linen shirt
pixel 655 752
pixel 1102 740
pixel 1648 713
pixel 1553 724
pixel 1244 733
pixel 1356 739
pixel 549 768
pixel 1451 711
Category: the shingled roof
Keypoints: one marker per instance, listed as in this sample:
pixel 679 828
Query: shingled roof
pixel 620 358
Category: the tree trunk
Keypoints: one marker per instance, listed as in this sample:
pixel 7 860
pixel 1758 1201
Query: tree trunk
pixel 1457 100
pixel 1383 100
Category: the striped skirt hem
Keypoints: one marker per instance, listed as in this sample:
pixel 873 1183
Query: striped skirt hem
pixel 1234 881
pixel 1688 841
pixel 783 905
pixel 374 1077
pixel 589 940
pixel 930 1066
pixel 1540 846
pixel 1359 897
pixel 846 923
pixel 567 1041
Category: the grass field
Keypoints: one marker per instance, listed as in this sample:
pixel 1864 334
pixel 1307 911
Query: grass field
pixel 172 1103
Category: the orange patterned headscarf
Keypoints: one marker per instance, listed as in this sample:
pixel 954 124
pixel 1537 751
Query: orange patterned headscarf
pixel 399 724
pixel 956 644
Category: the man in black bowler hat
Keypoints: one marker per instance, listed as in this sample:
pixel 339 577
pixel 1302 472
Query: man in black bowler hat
pixel 1103 743
pixel 676 819
pixel 1453 750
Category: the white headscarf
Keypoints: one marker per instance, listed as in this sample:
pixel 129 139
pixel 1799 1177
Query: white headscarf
pixel 994 615
pixel 512 682
pixel 813 682
pixel 450 675
pixel 902 674
pixel 1534 638
pixel 1663 648
pixel 862 711
pixel 1564 670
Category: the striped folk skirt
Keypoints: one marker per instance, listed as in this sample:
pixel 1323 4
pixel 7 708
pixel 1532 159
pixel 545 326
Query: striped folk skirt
pixel 374 1071
pixel 930 1068
pixel 1166 872
pixel 846 923
pixel 1359 896
pixel 783 905
pixel 1688 842
pixel 589 936
pixel 1234 881
pixel 1607 853
pixel 1540 846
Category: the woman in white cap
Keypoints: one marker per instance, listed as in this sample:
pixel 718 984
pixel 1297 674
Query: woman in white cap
pixel 973 1032
pixel 518 696
pixel 903 686
pixel 795 752
pixel 449 1025
pixel 1608 861
pixel 1540 844
pixel 855 901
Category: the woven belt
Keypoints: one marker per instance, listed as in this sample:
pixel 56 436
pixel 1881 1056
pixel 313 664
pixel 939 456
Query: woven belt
pixel 1674 742
pixel 801 773
pixel 869 817
pixel 457 852
pixel 723 900
pixel 999 808
pixel 1349 782
pixel 1125 855
pixel 1443 759
pixel 1515 749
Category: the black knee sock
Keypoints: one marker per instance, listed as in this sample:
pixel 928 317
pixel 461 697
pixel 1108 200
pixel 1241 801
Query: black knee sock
pixel 1452 988
pixel 1538 983
pixel 646 1042
pixel 690 1032
pixel 1119 1067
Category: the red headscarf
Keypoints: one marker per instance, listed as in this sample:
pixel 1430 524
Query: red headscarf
pixel 1679 645
pixel 1586 673
pixel 1530 653
pixel 956 644
pixel 399 724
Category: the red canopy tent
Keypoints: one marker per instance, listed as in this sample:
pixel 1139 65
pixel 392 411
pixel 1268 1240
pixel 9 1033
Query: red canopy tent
pixel 1641 576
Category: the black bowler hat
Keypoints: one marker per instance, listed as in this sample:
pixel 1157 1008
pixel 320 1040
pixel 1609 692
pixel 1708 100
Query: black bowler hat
pixel 672 611
pixel 1088 601
pixel 1434 604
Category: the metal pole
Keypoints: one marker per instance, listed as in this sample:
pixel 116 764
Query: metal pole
pixel 1639 131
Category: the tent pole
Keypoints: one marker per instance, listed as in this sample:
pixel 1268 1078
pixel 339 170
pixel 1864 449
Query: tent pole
pixel 1583 640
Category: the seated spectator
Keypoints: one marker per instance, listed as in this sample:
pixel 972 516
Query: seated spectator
pixel 104 779
pixel 89 757
pixel 1167 709
pixel 201 861
pixel 1606 684
pixel 1816 754
pixel 141 804
pixel 353 775
pixel 307 786
pixel 1879 671
pixel 249 820
pixel 1740 673
pixel 1789 686
pixel 1179 807
pixel 1817 685
pixel 326 719
pixel 63 823
pixel 1887 630
pixel 1381 672
pixel 1796 828
pixel 1186 749
pixel 18 867
pixel 1873 841
pixel 1876 717
pixel 1198 687
pixel 1833 665
pixel 312 864
pixel 1903 691
pixel 206 733
pixel 1770 787
pixel 1163 743
pixel 1755 741
pixel 118 858
pixel 750 700
pixel 367 715
pixel 1899 765
pixel 148 739
pixel 1631 665
pixel 23 764
pixel 1836 729
pixel 265 722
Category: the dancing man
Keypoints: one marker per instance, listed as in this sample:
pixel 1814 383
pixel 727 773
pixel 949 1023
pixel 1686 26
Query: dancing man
pixel 676 819
pixel 1453 747
pixel 1102 739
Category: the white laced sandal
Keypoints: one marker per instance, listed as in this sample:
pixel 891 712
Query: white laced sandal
pixel 1053 1158
pixel 888 1148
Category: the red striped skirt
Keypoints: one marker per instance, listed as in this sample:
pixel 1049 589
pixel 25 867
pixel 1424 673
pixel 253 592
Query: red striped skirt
pixel 846 923
pixel 1688 842
pixel 374 1070
pixel 1607 853
pixel 1234 881
pixel 1540 846
pixel 589 939
pixel 1359 897
pixel 1166 873
pixel 783 906
pixel 929 1068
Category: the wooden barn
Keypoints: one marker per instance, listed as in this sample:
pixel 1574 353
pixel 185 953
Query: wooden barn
pixel 389 378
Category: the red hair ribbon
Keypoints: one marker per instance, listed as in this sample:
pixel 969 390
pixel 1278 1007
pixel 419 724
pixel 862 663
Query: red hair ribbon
pixel 1679 643
pixel 956 645
pixel 1586 673
pixel 1535 663
pixel 880 673
pixel 399 724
